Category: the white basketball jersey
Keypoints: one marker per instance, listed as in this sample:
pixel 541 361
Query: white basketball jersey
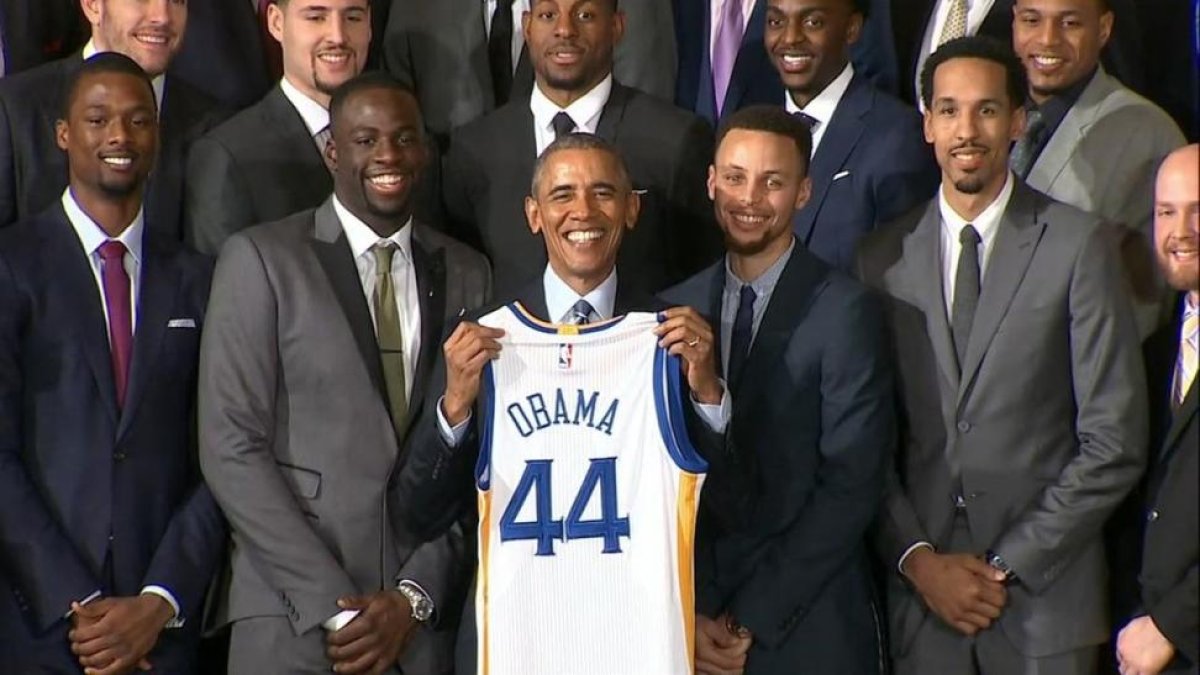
pixel 588 488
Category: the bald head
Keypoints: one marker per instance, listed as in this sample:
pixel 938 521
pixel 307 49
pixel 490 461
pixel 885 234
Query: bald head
pixel 1177 219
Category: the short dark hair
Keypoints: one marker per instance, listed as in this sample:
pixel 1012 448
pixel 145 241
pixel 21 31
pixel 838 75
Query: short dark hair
pixel 978 47
pixel 578 141
pixel 103 62
pixel 772 119
pixel 365 81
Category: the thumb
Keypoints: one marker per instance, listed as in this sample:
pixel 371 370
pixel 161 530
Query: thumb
pixel 353 602
pixel 88 611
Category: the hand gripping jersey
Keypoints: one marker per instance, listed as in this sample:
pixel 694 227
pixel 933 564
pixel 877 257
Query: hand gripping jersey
pixel 588 488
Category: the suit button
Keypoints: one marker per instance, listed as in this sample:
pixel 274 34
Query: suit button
pixel 1152 516
pixel 964 426
pixel 119 456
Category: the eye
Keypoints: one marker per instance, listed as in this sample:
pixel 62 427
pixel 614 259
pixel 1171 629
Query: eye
pixel 734 178
pixel 814 22
pixel 365 141
pixel 989 111
pixel 774 183
pixel 774 22
pixel 94 121
pixel 1164 212
pixel 585 15
pixel 947 111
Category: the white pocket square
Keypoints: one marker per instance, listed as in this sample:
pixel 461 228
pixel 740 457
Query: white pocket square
pixel 181 323
pixel 840 175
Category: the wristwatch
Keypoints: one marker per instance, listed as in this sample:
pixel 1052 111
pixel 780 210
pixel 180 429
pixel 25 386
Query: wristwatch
pixel 422 606
pixel 998 563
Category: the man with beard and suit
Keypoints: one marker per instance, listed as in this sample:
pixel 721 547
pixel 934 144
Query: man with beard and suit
pixel 1162 635
pixel 32 33
pixel 870 163
pixel 265 162
pixel 490 161
pixel 804 352
pixel 33 172
pixel 1022 397
pixel 108 537
pixel 322 331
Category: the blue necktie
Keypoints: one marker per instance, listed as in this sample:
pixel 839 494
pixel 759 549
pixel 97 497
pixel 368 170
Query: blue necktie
pixel 581 313
pixel 743 327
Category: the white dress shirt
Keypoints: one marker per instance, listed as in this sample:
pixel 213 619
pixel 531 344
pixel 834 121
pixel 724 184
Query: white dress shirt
pixel 986 224
pixel 716 11
pixel 823 105
pixel 977 11
pixel 585 111
pixel 91 238
pixel 315 115
pixel 519 7
pixel 157 83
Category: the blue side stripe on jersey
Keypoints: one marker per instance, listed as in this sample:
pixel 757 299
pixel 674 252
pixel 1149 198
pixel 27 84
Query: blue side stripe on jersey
pixel 483 463
pixel 529 320
pixel 669 409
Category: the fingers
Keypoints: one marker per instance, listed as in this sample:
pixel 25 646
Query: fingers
pixel 993 595
pixel 981 568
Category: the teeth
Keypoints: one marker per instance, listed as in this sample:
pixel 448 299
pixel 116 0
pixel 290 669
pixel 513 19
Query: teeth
pixel 118 161
pixel 752 220
pixel 1047 60
pixel 796 60
pixel 581 236
pixel 388 180
pixel 334 58
pixel 153 39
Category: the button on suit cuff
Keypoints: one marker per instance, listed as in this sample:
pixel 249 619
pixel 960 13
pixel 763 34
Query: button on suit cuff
pixel 908 551
pixel 338 621
pixel 451 435
pixel 176 619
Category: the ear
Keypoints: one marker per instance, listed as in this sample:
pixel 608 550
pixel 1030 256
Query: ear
pixel 92 9
pixel 62 134
pixel 927 125
pixel 804 193
pixel 275 21
pixel 633 206
pixel 1106 26
pixel 618 26
pixel 533 215
pixel 854 28
pixel 330 155
pixel 711 183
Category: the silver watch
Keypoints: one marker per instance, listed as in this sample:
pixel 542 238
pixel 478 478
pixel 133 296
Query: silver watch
pixel 422 606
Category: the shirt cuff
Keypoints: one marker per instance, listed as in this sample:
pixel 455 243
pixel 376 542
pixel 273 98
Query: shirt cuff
pixel 452 435
pixel 90 597
pixel 176 620
pixel 715 415
pixel 338 621
pixel 908 551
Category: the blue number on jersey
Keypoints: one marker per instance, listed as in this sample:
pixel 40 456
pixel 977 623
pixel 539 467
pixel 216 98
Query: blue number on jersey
pixel 601 474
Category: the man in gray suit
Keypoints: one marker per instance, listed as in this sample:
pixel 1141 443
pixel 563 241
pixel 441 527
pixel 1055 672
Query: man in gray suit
pixel 322 329
pixel 1090 141
pixel 1022 397
pixel 448 50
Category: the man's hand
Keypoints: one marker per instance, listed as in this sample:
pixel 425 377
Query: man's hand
pixel 684 333
pixel 719 652
pixel 964 591
pixel 467 350
pixel 1142 649
pixel 374 640
pixel 111 636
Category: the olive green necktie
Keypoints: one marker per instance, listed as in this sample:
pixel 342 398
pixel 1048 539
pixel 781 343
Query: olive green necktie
pixel 389 335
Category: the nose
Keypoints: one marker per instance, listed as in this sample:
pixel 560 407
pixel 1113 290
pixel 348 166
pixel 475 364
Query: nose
pixel 157 11
pixel 793 32
pixel 967 125
pixel 386 152
pixel 337 29
pixel 564 25
pixel 118 131
pixel 1049 33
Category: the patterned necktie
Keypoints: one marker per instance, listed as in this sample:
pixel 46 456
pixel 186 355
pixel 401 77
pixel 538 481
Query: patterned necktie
pixel 725 49
pixel 500 51
pixel 743 332
pixel 120 316
pixel 966 291
pixel 321 138
pixel 1023 151
pixel 563 125
pixel 956 22
pixel 389 336
pixel 1185 366
pixel 581 313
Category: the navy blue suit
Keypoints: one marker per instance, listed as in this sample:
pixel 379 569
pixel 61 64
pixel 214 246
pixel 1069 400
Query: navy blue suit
pixel 92 496
pixel 813 410
pixel 754 78
pixel 873 165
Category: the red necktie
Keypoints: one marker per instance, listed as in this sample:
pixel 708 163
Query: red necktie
pixel 120 319
pixel 272 52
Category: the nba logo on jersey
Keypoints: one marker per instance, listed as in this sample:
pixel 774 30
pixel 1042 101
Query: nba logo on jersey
pixel 587 489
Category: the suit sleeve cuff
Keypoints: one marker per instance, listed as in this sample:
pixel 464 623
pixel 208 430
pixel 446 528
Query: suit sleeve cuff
pixel 176 618
pixel 716 416
pixel 338 621
pixel 451 435
pixel 908 551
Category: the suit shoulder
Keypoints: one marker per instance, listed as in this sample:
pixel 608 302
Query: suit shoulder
pixel 893 231
pixel 33 86
pixel 660 117
pixel 274 234
pixel 693 291
pixel 22 238
pixel 458 254
pixel 244 128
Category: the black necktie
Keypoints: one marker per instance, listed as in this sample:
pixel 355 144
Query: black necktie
pixel 811 121
pixel 563 125
pixel 743 328
pixel 966 291
pixel 500 51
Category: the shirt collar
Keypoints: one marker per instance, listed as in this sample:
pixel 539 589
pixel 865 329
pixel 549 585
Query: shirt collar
pixel 157 83
pixel 985 223
pixel 361 237
pixel 585 110
pixel 315 115
pixel 765 283
pixel 822 107
pixel 560 297
pixel 92 236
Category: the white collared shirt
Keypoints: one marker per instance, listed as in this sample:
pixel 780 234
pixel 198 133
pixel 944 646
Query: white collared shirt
pixel 977 11
pixel 315 115
pixel 716 11
pixel 157 83
pixel 585 111
pixel 823 105
pixel 985 224
pixel 519 7
pixel 362 240
pixel 92 237
pixel 561 298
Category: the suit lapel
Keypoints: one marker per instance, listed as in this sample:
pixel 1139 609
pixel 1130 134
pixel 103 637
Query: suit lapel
pixel 283 121
pixel 614 110
pixel 430 270
pixel 840 139
pixel 750 55
pixel 155 298
pixel 1016 241
pixel 1185 415
pixel 1057 154
pixel 921 268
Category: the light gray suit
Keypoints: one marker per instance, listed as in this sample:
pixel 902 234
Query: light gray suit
pixel 297 444
pixel 1102 159
pixel 440 49
pixel 1042 432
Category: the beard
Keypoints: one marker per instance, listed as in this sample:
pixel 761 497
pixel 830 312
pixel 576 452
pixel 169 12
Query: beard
pixel 748 247
pixel 969 185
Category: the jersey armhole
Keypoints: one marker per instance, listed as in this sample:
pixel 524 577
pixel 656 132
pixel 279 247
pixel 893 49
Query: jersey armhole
pixel 668 406
pixel 483 463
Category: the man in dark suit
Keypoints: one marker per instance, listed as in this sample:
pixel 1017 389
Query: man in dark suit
pixel 1022 397
pixel 349 298
pixel 805 356
pixel 33 173
pixel 490 162
pixel 1162 636
pixel 108 537
pixel 265 162
pixel 743 72
pixel 32 33
pixel 223 54
pixel 870 163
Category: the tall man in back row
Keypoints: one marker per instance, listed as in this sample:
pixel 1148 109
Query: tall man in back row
pixel 1022 397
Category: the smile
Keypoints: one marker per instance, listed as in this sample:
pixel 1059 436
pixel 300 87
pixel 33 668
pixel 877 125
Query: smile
pixel 584 236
